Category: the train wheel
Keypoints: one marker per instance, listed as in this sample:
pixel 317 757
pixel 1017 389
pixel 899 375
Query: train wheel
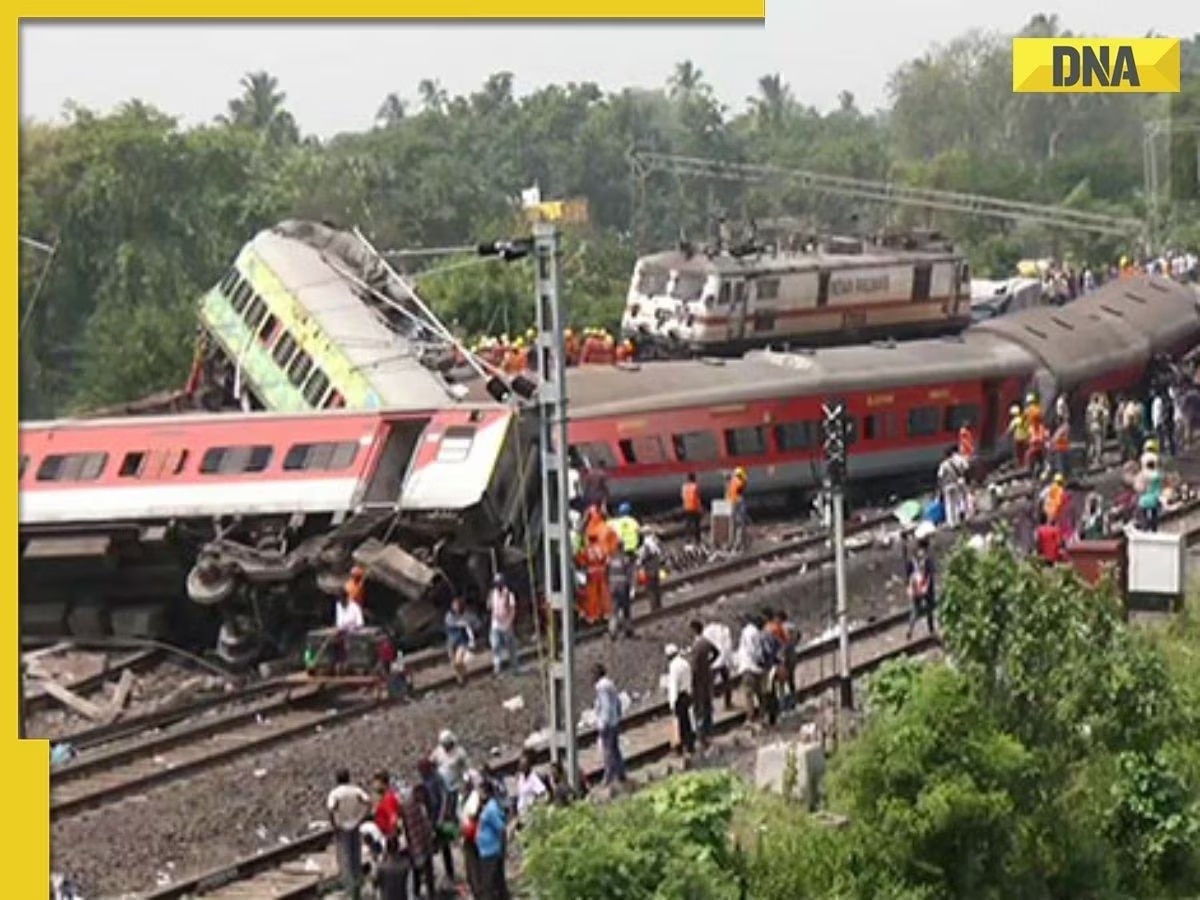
pixel 237 647
pixel 207 585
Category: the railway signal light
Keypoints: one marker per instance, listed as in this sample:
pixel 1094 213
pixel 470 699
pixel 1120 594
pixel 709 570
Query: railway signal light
pixel 835 441
pixel 508 251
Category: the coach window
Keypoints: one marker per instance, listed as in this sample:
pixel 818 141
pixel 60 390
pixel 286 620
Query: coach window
pixel 961 414
pixel 746 441
pixel 235 460
pixel 768 289
pixel 255 312
pixel 723 297
pixel 284 349
pixel 924 421
pixel 299 368
pixel 131 465
pixel 456 443
pixel 335 400
pixel 328 456
pixel 647 450
pixel 269 330
pixel 592 454
pixel 72 467
pixel 315 390
pixel 696 446
pixel 792 436
pixel 880 427
pixel 227 282
pixel 242 295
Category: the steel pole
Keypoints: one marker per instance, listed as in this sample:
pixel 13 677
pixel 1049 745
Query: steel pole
pixel 556 530
pixel 839 562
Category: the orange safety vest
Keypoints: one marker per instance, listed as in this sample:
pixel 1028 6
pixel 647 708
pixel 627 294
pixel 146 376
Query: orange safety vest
pixel 966 442
pixel 1062 439
pixel 1056 498
pixel 691 497
pixel 737 487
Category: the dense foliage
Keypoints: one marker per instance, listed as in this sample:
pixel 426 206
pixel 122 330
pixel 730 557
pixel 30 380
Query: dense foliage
pixel 1057 756
pixel 146 214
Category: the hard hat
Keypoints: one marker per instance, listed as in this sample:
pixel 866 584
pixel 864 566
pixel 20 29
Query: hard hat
pixel 739 472
pixel 1151 445
pixel 1014 410
pixel 447 738
pixel 624 509
pixel 1058 478
pixel 671 650
pixel 1030 398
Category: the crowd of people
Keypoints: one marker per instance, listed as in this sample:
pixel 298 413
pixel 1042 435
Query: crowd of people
pixel 1064 281
pixel 391 839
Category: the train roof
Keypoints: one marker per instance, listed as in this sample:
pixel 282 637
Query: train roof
pixel 1119 325
pixel 784 262
pixel 761 375
pixel 390 361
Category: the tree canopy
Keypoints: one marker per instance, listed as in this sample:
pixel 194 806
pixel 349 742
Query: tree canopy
pixel 1055 757
pixel 146 213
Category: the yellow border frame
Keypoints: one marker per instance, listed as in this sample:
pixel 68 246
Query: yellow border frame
pixel 27 762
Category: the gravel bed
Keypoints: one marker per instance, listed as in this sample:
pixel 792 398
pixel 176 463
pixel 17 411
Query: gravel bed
pixel 263 800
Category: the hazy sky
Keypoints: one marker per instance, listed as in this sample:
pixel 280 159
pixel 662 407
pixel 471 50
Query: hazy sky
pixel 336 75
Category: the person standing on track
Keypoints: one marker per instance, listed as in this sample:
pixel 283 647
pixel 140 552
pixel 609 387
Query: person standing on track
pixel 460 638
pixel 348 806
pixel 719 635
pixel 1097 427
pixel 650 561
pixel 620 586
pixel 921 588
pixel 679 699
pixel 750 667
pixel 608 723
pixel 702 657
pixel 735 493
pixel 502 604
pixel 693 508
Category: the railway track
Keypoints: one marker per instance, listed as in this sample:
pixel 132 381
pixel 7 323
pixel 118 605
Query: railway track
pixel 279 716
pixel 307 868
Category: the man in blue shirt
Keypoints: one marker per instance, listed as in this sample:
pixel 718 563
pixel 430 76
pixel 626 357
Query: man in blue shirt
pixel 491 841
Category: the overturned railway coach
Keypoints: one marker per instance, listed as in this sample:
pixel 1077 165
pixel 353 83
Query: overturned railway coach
pixel 258 518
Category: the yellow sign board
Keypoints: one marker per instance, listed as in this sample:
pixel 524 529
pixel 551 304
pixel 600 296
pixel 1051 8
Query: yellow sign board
pixel 568 212
pixel 1096 65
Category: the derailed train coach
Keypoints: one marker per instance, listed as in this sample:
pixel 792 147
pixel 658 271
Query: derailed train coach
pixel 242 528
pixel 652 424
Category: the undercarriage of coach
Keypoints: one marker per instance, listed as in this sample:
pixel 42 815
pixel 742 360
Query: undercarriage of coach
pixel 270 584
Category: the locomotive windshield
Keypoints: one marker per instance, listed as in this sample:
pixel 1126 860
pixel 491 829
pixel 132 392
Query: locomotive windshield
pixel 652 281
pixel 688 286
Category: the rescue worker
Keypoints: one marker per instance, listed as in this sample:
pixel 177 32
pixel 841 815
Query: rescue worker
pixel 1149 488
pixel 735 493
pixel 650 560
pixel 628 529
pixel 1062 409
pixel 693 507
pixel 1033 411
pixel 597 604
pixel 1049 541
pixel 1055 502
pixel 625 351
pixel 1131 428
pixel 1035 458
pixel 1018 428
pixel 620 588
pixel 572 347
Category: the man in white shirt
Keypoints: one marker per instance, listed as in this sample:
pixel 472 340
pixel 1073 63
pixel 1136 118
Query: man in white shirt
pixel 719 635
pixel 348 806
pixel 750 668
pixel 679 697
pixel 347 615
pixel 531 789
pixel 502 604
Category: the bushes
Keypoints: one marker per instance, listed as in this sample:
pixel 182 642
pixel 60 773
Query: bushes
pixel 1058 758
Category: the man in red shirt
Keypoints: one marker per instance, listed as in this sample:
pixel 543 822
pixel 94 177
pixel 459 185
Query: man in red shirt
pixel 387 805
pixel 1049 541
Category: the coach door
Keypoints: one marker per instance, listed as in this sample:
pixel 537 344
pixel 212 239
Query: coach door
pixel 386 480
pixel 737 314
pixel 922 277
pixel 990 427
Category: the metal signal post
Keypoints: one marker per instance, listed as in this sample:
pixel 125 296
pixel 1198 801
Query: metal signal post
pixel 556 530
pixel 836 433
